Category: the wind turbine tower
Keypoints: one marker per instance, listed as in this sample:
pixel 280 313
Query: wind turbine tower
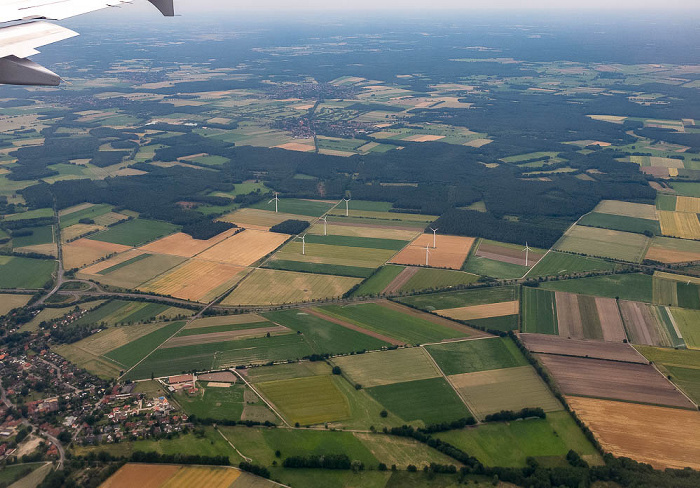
pixel 434 231
pixel 303 244
pixel 275 199
pixel 325 224
pixel 347 208
pixel 427 253
pixel 527 252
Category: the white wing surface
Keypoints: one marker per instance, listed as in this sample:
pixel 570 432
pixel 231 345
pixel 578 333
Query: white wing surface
pixel 22 31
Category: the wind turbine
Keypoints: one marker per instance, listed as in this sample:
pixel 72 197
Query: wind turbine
pixel 325 223
pixel 434 231
pixel 427 253
pixel 346 200
pixel 303 244
pixel 276 199
pixel 527 252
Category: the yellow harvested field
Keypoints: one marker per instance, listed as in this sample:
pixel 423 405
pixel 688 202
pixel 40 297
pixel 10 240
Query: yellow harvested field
pixel 10 301
pixel 245 248
pixel 272 287
pixel 296 146
pixel 78 230
pixel 172 476
pixel 423 138
pixel 481 311
pixel 670 256
pixel 114 337
pixel 85 251
pixel 108 263
pixel 478 142
pixel 615 119
pixel 365 231
pixel 253 218
pixel 687 204
pixel 196 279
pixel 660 162
pixel 627 209
pixel 661 436
pixel 449 252
pixel 74 208
pixel 45 249
pixel 680 224
pixel 248 318
pixel 183 245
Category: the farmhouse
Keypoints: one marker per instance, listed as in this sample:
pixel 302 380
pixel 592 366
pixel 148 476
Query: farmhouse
pixel 180 381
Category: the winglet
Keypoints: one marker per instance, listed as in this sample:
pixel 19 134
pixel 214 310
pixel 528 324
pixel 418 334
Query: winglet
pixel 20 71
pixel 165 6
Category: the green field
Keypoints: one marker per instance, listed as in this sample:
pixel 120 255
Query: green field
pixel 623 246
pixel 123 264
pixel 18 272
pixel 378 281
pixel 136 232
pixel 558 263
pixel 215 403
pixel 221 328
pixel 40 213
pixel 123 312
pixel 323 336
pixel 259 350
pixel 476 355
pixel 39 235
pixel 430 400
pixel 383 368
pixel 539 311
pixel 509 444
pixel 404 327
pixel 621 223
pixel 666 202
pixel 296 206
pixel 496 269
pixel 426 278
pixel 130 354
pixel 633 287
pixel 505 323
pixel 307 401
pixel 319 268
pixel 88 213
pixel 686 189
pixel 9 473
pixel 688 321
pixel 462 298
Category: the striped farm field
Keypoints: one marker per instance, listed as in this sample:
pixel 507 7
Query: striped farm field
pixel 488 310
pixel 244 248
pixel 173 476
pixel 491 391
pixel 379 281
pixel 196 280
pixel 650 325
pixel 253 218
pixel 387 367
pixel 539 311
pixel 676 290
pixel 587 317
pixel 185 246
pixel 663 437
pixel 669 250
pixel 131 270
pixel 271 287
pixel 368 231
pixel 680 224
pixel 449 251
pixel 688 321
pixel 687 204
pixel 508 253
pixel 627 209
pixel 86 251
pixel 308 401
pixel 623 246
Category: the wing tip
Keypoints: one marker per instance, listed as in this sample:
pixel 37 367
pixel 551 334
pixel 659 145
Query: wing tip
pixel 165 7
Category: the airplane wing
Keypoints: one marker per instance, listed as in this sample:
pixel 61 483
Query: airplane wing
pixel 28 31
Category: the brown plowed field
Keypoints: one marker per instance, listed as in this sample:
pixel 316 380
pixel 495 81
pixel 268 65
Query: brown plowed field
pixel 568 316
pixel 183 245
pixel 549 344
pixel 484 311
pixel 230 335
pixel 662 255
pixel 507 254
pixel 372 226
pixel 450 251
pixel 613 380
pixel 610 319
pixel 640 323
pixel 348 325
pixel 244 248
pixel 85 251
pixel 662 437
pixel 400 280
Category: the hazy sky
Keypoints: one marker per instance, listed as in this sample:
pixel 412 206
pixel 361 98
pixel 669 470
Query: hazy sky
pixel 184 6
